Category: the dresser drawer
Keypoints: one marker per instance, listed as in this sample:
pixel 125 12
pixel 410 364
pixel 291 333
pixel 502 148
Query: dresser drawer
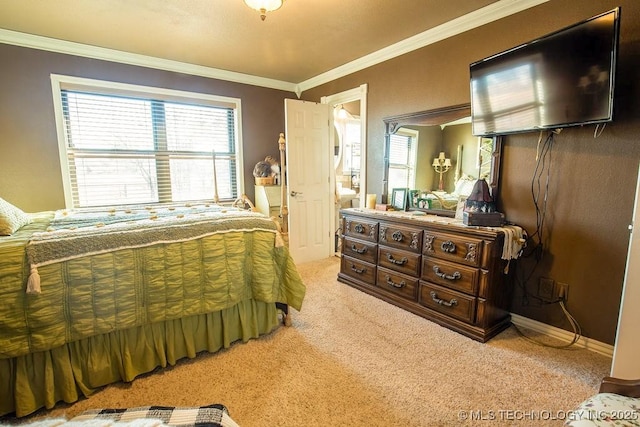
pixel 407 238
pixel 462 249
pixel 397 283
pixel 361 229
pixel 454 276
pixel 360 270
pixel 400 261
pixel 446 301
pixel 365 251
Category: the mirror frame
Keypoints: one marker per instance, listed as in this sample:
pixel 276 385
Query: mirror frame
pixel 432 118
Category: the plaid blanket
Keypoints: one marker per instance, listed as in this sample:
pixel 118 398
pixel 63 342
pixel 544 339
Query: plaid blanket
pixel 215 415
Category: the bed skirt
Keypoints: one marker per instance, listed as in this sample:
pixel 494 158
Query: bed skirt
pixel 77 369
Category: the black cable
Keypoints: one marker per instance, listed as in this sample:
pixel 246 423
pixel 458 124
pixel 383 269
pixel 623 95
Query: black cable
pixel 543 163
pixel 535 240
pixel 534 244
pixel 577 330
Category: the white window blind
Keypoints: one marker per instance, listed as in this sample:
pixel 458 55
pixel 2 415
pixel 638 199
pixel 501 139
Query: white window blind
pixel 402 161
pixel 125 149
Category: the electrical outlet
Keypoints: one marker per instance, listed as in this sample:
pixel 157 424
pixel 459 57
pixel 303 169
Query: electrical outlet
pixel 563 291
pixel 546 288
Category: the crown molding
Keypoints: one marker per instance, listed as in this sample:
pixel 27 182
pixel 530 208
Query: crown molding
pixel 490 13
pixel 487 14
pixel 112 55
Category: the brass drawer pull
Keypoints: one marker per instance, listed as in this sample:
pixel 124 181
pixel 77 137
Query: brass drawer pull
pixel 439 301
pixel 442 275
pixel 391 259
pixel 395 285
pixel 448 246
pixel 360 251
pixel 358 228
pixel 358 270
pixel 397 236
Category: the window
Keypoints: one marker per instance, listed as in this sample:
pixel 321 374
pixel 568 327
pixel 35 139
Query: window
pixel 123 144
pixel 402 159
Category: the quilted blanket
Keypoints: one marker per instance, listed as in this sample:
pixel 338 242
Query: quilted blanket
pixel 74 234
pixel 186 267
pixel 215 415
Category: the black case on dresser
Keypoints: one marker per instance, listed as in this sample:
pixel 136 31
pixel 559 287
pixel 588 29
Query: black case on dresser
pixel 439 269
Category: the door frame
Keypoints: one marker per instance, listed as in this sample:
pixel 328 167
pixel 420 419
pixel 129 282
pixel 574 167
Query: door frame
pixel 355 94
pixel 625 351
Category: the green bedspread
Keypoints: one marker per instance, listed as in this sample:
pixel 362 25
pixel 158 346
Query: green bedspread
pixel 90 292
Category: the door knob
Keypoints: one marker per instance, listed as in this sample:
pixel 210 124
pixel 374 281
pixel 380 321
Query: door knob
pixel 295 193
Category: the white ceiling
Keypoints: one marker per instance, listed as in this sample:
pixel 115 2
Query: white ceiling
pixel 305 43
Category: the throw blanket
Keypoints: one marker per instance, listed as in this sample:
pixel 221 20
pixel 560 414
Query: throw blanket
pixel 211 416
pixel 514 240
pixel 74 234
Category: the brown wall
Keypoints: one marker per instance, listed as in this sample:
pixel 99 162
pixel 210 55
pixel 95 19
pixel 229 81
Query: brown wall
pixel 30 175
pixel 592 182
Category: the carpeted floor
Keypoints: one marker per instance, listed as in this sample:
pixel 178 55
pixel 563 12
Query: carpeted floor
pixel 350 359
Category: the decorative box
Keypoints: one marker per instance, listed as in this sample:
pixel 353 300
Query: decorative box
pixel 490 219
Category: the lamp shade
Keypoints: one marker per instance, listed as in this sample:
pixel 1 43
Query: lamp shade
pixel 480 199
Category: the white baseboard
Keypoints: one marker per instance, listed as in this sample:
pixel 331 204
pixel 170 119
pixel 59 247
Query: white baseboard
pixel 562 335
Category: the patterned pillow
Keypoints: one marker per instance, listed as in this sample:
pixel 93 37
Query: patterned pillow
pixel 605 409
pixel 11 218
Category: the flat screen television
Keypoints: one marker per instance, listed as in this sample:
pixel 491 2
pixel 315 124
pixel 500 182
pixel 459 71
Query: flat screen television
pixel 563 79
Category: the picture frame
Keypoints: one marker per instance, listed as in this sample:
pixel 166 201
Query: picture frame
pixel 399 198
pixel 412 199
pixel 423 204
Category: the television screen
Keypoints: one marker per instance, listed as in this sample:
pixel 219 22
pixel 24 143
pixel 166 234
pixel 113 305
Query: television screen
pixel 562 79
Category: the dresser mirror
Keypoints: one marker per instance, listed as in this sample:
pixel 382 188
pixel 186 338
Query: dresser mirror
pixel 434 155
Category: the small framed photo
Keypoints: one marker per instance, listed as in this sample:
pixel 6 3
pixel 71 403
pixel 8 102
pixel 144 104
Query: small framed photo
pixel 399 198
pixel 423 203
pixel 413 198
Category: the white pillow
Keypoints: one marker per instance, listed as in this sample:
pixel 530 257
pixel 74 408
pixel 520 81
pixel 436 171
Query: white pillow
pixel 11 218
pixel 464 186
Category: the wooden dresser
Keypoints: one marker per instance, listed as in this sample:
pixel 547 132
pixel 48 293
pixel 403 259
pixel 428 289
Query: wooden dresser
pixel 435 267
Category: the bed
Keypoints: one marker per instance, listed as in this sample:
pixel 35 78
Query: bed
pixel 441 199
pixel 98 296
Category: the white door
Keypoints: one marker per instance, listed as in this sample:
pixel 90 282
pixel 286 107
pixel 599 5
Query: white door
pixel 308 167
pixel 625 354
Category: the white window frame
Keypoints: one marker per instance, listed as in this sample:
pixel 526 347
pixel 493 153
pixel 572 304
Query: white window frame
pixel 62 82
pixel 411 161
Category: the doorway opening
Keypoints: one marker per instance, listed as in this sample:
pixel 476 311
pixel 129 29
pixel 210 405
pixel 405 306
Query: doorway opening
pixel 347 139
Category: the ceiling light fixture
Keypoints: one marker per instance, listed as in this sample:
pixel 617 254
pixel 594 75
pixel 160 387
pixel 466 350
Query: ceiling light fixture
pixel 340 112
pixel 264 6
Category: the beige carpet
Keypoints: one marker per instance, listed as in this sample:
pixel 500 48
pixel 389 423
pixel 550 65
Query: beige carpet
pixel 350 359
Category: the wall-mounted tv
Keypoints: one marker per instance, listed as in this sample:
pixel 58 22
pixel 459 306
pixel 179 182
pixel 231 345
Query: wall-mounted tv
pixel 563 79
